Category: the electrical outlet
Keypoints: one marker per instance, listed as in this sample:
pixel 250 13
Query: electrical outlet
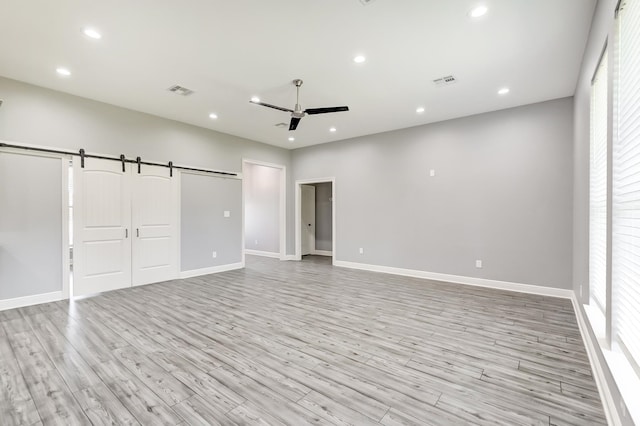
pixel 478 263
pixel 432 173
pixel 361 250
pixel 227 213
pixel 214 254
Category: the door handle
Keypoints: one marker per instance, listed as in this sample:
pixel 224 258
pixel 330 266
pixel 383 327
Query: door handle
pixel 126 232
pixel 138 232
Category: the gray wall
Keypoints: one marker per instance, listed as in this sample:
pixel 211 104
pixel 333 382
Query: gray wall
pixel 203 227
pixel 262 208
pixel 324 216
pixel 603 23
pixel 36 115
pixel 31 207
pixel 502 193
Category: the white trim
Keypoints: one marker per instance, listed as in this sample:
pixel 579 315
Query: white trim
pixel 262 253
pixel 609 405
pixel 211 270
pixel 283 204
pixel 298 219
pixel 64 172
pixel 322 252
pixel 66 260
pixel 36 299
pixel 290 257
pixel 458 279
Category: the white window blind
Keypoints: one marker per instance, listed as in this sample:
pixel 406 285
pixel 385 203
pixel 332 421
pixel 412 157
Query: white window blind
pixel 598 187
pixel 626 187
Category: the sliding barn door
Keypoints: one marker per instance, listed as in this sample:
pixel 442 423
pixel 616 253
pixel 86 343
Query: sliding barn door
pixel 155 217
pixel 102 234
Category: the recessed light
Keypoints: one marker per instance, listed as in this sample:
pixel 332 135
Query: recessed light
pixel 92 33
pixel 291 139
pixel 420 110
pixel 503 91
pixel 255 99
pixel 333 129
pixel 213 116
pixel 359 59
pixel 63 72
pixel 479 11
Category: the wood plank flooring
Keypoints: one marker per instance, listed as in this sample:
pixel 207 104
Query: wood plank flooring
pixel 294 343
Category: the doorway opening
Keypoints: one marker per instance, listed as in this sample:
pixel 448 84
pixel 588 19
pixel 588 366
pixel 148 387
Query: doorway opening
pixel 264 206
pixel 315 220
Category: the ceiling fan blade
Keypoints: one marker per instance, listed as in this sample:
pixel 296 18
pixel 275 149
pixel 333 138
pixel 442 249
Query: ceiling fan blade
pixel 271 106
pixel 312 111
pixel 294 123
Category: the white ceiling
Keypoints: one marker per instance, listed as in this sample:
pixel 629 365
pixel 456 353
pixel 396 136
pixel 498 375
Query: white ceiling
pixel 229 50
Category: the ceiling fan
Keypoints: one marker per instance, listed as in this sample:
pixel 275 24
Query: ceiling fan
pixel 297 113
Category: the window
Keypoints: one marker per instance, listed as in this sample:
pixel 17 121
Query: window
pixel 598 188
pixel 625 281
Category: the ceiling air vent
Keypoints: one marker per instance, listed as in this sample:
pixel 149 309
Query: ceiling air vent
pixel 281 125
pixel 445 81
pixel 179 90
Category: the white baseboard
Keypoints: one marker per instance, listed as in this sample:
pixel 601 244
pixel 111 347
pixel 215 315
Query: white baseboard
pixel 458 279
pixel 290 257
pixel 263 253
pixel 322 252
pixel 211 270
pixel 609 405
pixel 19 302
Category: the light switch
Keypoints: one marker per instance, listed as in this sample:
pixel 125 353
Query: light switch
pixel 227 213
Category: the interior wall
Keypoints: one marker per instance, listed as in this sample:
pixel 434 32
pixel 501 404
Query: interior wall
pixel 31 228
pixel 40 116
pixel 204 229
pixel 324 216
pixel 262 208
pixel 601 26
pixel 502 193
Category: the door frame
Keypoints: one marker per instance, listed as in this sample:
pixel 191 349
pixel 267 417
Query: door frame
pixel 298 234
pixel 65 291
pixel 282 222
pixel 307 243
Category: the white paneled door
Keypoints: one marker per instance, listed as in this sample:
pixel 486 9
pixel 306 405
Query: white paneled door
pixel 102 227
pixel 125 225
pixel 154 210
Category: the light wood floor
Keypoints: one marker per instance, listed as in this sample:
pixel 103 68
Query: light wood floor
pixel 296 343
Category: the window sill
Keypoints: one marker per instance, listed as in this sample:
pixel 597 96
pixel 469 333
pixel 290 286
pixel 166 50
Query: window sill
pixel 626 379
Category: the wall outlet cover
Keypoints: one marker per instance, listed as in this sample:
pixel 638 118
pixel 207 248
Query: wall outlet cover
pixel 361 250
pixel 478 263
pixel 214 254
pixel 227 213
pixel 432 173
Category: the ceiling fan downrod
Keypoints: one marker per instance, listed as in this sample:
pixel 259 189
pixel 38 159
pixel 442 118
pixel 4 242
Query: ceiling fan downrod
pixel 297 111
